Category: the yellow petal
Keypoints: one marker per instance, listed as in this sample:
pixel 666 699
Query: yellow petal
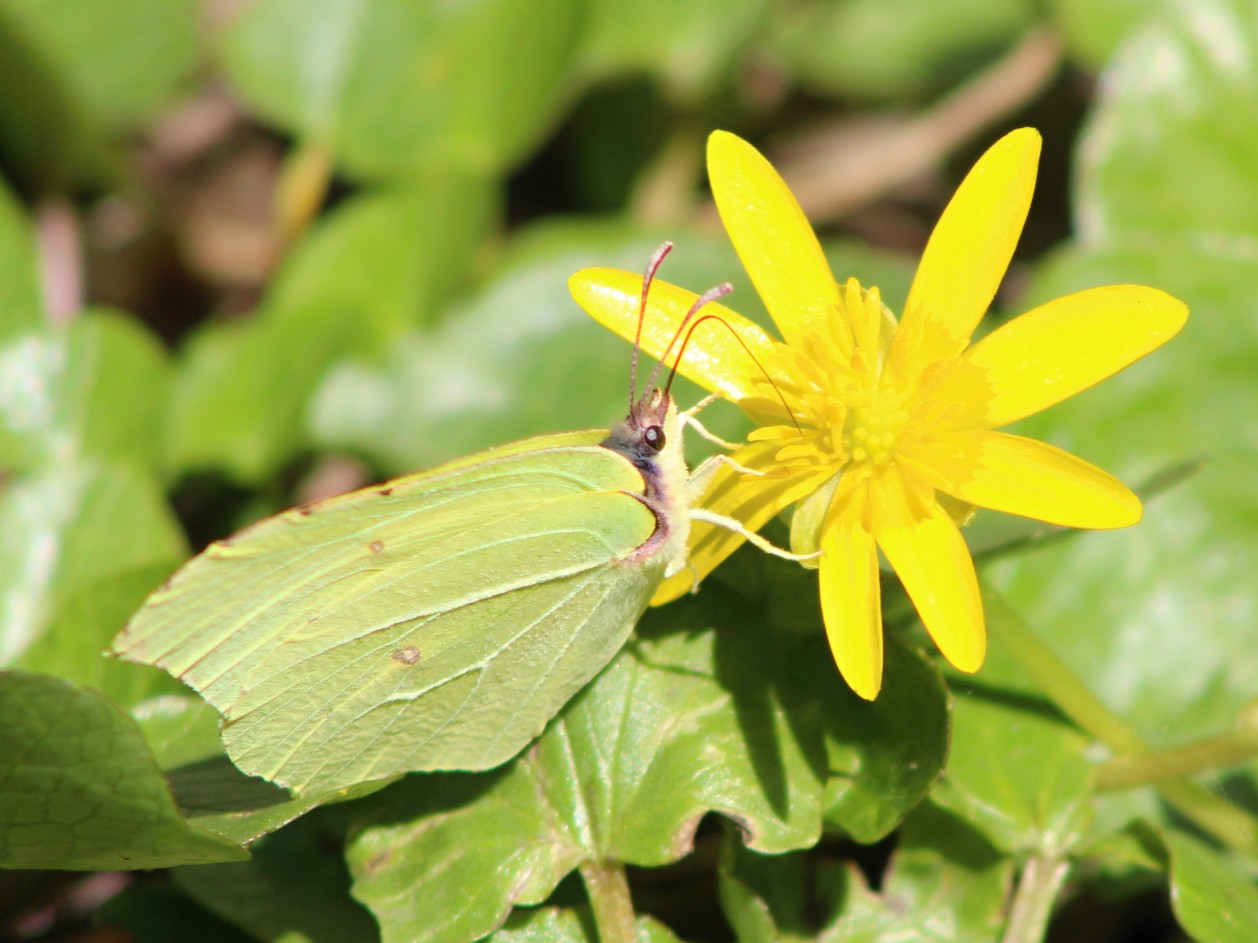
pixel 1067 345
pixel 1034 479
pixel 868 317
pixel 934 564
pixel 968 252
pixel 851 603
pixel 749 499
pixel 771 234
pixel 714 358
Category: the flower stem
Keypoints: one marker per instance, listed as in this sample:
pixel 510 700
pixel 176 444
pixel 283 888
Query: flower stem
pixel 1189 759
pixel 1038 886
pixel 1229 824
pixel 607 886
pixel 665 194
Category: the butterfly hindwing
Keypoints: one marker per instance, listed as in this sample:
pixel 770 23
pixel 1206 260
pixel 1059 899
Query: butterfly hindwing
pixel 434 622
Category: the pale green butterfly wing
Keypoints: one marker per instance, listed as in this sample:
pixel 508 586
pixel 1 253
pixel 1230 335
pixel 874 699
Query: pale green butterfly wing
pixel 438 621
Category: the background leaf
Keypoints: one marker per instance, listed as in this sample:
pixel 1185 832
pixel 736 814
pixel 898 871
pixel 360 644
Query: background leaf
pixel 1094 29
pixel 151 913
pixel 1211 900
pixel 380 263
pixel 21 302
pixel 94 389
pixel 552 925
pixel 892 49
pixel 90 522
pixel 944 881
pixel 395 87
pixel 292 889
pixel 1161 122
pixel 689 46
pixel 885 755
pixel 1016 770
pixel 125 60
pixel 624 774
pixel 80 787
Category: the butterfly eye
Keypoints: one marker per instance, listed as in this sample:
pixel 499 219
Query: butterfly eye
pixel 654 437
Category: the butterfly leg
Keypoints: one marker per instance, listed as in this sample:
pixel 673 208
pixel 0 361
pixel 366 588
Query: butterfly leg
pixel 700 406
pixel 702 476
pixel 730 524
pixel 688 418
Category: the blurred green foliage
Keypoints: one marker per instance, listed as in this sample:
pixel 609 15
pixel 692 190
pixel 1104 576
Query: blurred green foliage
pixel 251 252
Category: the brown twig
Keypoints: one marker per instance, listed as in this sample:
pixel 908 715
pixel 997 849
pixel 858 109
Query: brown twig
pixel 835 168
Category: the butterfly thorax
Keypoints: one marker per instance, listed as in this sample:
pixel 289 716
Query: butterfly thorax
pixel 650 438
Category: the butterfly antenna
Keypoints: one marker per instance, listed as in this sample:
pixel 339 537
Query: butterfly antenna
pixel 709 296
pixel 647 278
pixel 742 343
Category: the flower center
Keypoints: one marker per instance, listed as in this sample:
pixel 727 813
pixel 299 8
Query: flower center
pixel 830 402
pixel 873 428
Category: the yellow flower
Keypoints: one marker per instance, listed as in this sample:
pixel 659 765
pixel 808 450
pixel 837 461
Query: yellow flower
pixel 889 439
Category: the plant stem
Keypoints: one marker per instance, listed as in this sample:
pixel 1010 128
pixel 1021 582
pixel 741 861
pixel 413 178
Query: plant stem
pixel 303 187
pixel 665 195
pixel 1229 824
pixel 1188 759
pixel 1038 886
pixel 607 886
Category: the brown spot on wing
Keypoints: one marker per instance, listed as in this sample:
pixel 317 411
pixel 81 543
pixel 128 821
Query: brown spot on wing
pixel 385 492
pixel 406 656
pixel 376 546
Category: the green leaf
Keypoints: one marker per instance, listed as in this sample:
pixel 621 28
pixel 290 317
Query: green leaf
pixel 944 881
pixel 95 388
pixel 159 913
pixel 1092 29
pixel 1016 770
pixel 886 754
pixel 1211 898
pixel 21 299
pixel 295 888
pixel 389 258
pixel 73 645
pixel 1168 116
pixel 765 898
pixel 241 390
pixel 48 139
pixel 690 46
pixel 181 730
pixel 376 264
pixel 572 925
pixel 678 725
pixel 222 800
pixel 392 87
pixel 79 788
pixel 70 527
pixel 889 50
pixel 123 59
pixel 489 838
pixel 683 724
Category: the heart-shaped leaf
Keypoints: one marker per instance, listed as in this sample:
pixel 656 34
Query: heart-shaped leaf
pixel 80 789
pixel 677 726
